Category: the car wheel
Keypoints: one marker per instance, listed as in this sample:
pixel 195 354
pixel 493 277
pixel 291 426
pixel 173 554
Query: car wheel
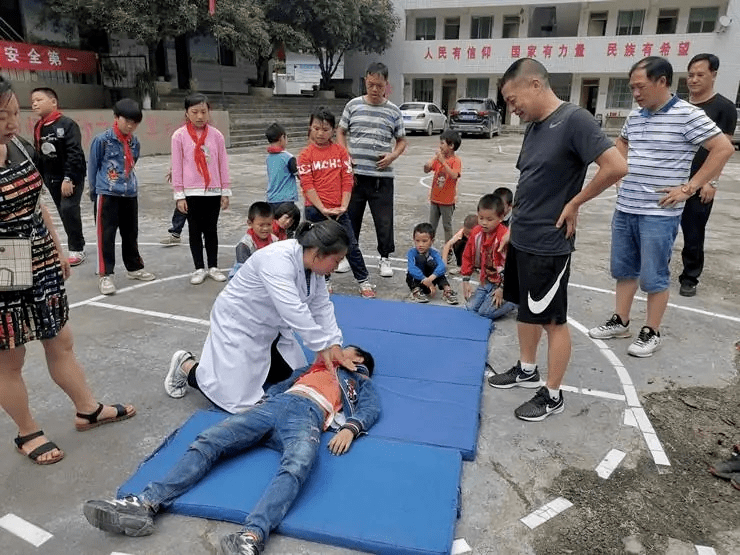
pixel 430 128
pixel 489 133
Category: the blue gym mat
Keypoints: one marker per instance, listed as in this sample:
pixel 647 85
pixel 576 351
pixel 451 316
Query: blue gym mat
pixel 383 496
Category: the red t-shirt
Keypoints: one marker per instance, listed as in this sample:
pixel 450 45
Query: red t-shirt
pixel 444 187
pixel 328 171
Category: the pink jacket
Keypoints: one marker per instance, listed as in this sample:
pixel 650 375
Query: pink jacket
pixel 186 180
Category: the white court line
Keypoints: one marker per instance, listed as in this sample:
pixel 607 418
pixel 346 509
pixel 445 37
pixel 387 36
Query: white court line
pixel 428 177
pixel 629 418
pixel 25 530
pixel 705 550
pixel 546 512
pixel 152 313
pixel 593 392
pixel 610 463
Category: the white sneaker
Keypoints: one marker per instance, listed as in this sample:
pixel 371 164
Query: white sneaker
pixel 611 329
pixel 141 275
pixel 385 268
pixel 216 275
pixel 367 290
pixel 198 276
pixel 106 285
pixel 170 240
pixel 176 381
pixel 76 258
pixel 647 342
pixel 343 267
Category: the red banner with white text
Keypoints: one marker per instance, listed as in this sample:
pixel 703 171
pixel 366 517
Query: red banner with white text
pixel 20 55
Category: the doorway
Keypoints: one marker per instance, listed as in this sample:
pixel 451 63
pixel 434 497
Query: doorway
pixel 589 94
pixel 449 95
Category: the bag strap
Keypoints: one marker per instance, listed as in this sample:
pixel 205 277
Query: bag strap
pixel 17 142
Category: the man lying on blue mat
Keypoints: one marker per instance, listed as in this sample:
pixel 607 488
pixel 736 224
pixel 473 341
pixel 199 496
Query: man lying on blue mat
pixel 289 419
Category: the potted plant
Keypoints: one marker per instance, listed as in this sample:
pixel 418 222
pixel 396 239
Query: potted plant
pixel 146 89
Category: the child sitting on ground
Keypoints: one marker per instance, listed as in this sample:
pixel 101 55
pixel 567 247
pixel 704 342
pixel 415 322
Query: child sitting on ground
pixel 426 269
pixel 259 234
pixel 282 168
pixel 508 197
pixel 458 242
pixel 287 217
pixel 482 251
pixel 443 193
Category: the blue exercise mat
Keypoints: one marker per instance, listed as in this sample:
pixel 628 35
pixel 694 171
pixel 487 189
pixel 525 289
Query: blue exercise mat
pixel 384 496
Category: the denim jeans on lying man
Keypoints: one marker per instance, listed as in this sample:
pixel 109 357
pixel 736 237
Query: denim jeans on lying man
pixel 287 423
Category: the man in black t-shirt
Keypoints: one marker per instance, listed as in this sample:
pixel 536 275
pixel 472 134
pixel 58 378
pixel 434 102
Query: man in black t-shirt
pixel 559 144
pixel 702 74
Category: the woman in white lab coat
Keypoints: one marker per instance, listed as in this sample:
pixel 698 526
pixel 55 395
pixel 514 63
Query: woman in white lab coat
pixel 280 291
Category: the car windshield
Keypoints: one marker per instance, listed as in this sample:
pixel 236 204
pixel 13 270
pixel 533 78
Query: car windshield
pixel 412 106
pixel 470 105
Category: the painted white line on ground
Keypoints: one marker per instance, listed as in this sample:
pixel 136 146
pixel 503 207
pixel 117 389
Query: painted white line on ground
pixel 705 550
pixel 152 313
pixel 422 182
pixel 118 553
pixel 24 529
pixel 629 418
pixel 460 547
pixel 593 392
pixel 546 512
pixel 610 463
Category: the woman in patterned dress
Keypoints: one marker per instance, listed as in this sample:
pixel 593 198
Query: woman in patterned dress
pixel 40 312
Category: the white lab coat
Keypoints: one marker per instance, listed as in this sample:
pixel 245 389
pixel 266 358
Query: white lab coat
pixel 267 296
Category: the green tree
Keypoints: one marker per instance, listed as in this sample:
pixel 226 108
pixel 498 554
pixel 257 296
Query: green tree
pixel 332 27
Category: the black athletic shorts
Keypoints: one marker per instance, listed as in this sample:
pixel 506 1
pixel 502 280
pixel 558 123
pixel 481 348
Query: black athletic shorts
pixel 539 285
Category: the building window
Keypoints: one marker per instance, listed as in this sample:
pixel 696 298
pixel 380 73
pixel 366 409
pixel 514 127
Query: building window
pixel 597 24
pixel 702 20
pixel 226 56
pixel 511 27
pixel 667 20
pixel 452 28
pixel 630 22
pixel 619 94
pixel 477 88
pixel 423 90
pixel 480 27
pixel 426 28
pixel 682 89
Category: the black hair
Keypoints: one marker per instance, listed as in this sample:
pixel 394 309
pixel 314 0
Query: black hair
pixel 291 210
pixel 377 68
pixel 48 91
pixel 470 221
pixel 327 237
pixel 194 99
pixel 129 109
pixel 525 67
pixel 367 359
pixel 506 195
pixel 424 227
pixel 655 67
pixel 492 202
pixel 711 59
pixel 452 138
pixel 6 91
pixel 259 209
pixel 322 113
pixel 274 131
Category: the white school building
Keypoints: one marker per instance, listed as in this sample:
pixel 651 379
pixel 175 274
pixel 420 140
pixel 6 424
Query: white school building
pixel 450 49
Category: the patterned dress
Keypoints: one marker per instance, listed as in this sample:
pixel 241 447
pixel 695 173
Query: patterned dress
pixel 41 311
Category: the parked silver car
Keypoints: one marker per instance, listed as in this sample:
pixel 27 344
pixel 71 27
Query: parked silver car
pixel 423 116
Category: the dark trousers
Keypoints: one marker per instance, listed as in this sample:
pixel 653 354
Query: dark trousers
pixel 354 254
pixel 203 227
pixel 693 225
pixel 178 222
pixel 458 247
pixel 117 214
pixel 428 268
pixel 69 212
pixel 378 193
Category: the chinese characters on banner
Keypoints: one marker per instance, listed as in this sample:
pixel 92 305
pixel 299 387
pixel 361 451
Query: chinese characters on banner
pixel 19 55
pixel 628 50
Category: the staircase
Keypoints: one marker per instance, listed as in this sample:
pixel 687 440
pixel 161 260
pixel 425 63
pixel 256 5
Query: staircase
pixel 249 116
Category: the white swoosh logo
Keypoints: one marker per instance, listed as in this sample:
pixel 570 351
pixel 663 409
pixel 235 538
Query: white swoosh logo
pixel 537 307
pixel 555 124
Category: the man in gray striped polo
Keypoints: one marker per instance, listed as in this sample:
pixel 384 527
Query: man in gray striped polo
pixel 659 141
pixel 368 128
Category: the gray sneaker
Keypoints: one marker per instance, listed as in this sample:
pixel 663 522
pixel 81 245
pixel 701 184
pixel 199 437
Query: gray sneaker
pixel 611 329
pixel 126 516
pixel 170 240
pixel 646 343
pixel 106 285
pixel 242 543
pixel 540 406
pixel 141 275
pixel 176 381
pixel 515 377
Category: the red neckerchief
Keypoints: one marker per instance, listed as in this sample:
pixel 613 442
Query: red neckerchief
pixel 46 120
pixel 199 154
pixel 279 232
pixel 128 155
pixel 260 243
pixel 274 149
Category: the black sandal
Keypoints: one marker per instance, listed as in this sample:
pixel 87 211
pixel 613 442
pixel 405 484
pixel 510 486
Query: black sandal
pixel 20 441
pixel 92 418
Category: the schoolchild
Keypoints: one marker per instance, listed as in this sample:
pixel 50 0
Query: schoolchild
pixel 114 189
pixel 282 168
pixel 447 169
pixel 457 244
pixel 260 226
pixel 287 219
pixel 508 197
pixel 426 268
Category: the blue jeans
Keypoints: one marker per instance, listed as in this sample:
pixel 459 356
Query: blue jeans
pixel 642 247
pixel 481 301
pixel 354 254
pixel 287 423
pixel 178 222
